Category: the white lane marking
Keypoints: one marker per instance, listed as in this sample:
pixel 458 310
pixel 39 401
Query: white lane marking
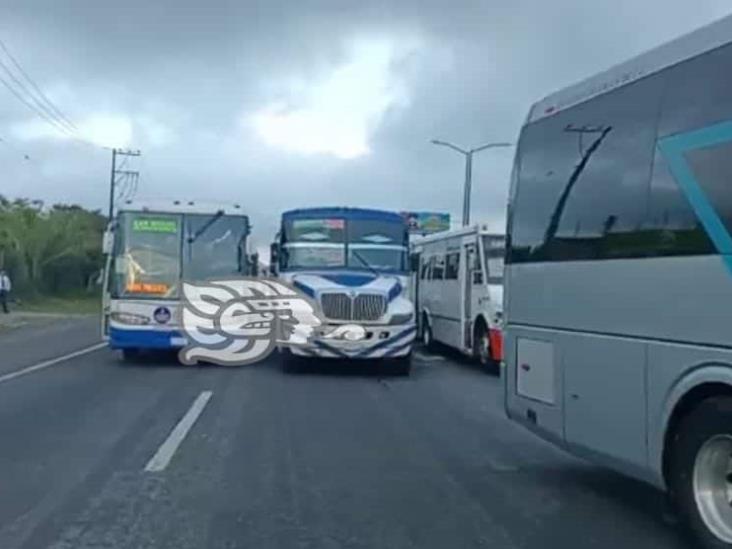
pixel 162 457
pixel 51 362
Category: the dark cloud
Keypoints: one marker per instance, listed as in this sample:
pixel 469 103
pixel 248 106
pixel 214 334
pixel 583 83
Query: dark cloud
pixel 187 77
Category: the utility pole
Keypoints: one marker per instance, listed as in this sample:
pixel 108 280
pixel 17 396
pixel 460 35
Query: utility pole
pixel 468 187
pixel 115 172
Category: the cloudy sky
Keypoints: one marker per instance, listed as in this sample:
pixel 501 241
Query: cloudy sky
pixel 279 104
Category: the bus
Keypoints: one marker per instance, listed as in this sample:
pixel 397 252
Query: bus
pixel 619 274
pixel 151 247
pixel 458 289
pixel 353 262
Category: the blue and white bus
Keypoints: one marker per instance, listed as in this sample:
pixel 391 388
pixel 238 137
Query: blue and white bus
pixel 354 263
pixel 151 248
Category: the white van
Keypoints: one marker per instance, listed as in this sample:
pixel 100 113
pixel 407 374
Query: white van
pixel 458 291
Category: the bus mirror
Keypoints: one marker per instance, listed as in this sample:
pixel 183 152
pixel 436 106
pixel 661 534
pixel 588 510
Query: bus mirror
pixel 107 242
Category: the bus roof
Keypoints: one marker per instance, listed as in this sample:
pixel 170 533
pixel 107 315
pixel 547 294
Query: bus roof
pixel 690 45
pixel 180 206
pixel 348 213
pixel 464 231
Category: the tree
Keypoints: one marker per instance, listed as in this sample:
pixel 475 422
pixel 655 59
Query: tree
pixel 36 241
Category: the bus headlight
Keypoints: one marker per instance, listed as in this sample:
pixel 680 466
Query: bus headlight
pixel 401 318
pixel 130 318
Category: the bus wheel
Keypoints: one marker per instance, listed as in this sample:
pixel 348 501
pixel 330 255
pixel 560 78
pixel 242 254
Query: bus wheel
pixel 130 355
pixel 482 348
pixel 427 340
pixel 700 473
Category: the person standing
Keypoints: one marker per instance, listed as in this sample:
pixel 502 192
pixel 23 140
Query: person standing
pixel 5 287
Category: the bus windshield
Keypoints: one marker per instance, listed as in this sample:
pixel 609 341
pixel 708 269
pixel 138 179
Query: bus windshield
pixel 147 259
pixel 494 249
pixel 214 246
pixel 344 243
pixel 153 252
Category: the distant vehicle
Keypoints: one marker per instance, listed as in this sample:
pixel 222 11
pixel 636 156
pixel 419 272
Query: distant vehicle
pixel 459 291
pixel 619 273
pixel 353 262
pixel 151 247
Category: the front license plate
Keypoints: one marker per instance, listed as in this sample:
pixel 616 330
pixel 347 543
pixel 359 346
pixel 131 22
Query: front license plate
pixel 178 341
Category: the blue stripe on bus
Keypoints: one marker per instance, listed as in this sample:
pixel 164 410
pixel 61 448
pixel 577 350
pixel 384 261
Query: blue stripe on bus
pixel 304 288
pixel 141 339
pixel 338 352
pixel 348 279
pixel 397 350
pixel 673 149
pixel 395 291
pixel 386 342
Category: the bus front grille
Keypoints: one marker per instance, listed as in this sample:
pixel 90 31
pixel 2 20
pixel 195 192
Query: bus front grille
pixel 360 308
pixel 369 307
pixel 336 306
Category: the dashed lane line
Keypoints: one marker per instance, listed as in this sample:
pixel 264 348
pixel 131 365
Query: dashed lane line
pixel 167 449
pixel 48 363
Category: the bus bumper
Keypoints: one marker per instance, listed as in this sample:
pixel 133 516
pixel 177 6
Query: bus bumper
pixel 135 338
pixel 381 342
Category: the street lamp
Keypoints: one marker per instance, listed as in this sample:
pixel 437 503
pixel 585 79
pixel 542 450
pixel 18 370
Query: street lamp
pixel 468 170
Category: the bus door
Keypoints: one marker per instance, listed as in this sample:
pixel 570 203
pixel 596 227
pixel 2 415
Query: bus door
pixel 107 250
pixel 467 271
pixel 415 274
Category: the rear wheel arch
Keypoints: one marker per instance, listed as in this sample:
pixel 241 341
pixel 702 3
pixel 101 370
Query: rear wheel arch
pixel 480 322
pixel 684 406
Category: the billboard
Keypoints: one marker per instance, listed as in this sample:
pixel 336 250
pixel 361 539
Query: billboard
pixel 427 222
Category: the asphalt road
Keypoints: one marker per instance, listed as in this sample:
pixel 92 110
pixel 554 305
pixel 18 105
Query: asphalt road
pixel 329 458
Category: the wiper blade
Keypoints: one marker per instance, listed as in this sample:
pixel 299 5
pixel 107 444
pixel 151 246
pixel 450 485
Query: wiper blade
pixel 205 227
pixel 366 263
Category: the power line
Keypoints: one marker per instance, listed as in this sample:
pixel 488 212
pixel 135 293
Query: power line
pixel 34 99
pixel 43 115
pixel 37 89
pixel 20 91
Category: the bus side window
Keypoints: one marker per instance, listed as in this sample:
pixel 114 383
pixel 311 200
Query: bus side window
pixel 452 266
pixel 425 270
pixel 438 267
pixel 477 267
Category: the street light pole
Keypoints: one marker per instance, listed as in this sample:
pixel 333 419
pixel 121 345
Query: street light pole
pixel 468 186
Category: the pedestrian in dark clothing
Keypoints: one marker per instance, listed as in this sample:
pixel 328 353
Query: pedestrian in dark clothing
pixel 5 287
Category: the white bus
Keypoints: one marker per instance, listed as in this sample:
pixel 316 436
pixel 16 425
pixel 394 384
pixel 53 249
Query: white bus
pixel 354 263
pixel 458 290
pixel 151 247
pixel 619 274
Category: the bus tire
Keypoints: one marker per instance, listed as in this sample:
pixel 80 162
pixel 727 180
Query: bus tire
pixel 130 355
pixel 699 472
pixel 427 340
pixel 482 348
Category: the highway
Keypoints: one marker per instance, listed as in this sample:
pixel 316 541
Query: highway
pixel 97 453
